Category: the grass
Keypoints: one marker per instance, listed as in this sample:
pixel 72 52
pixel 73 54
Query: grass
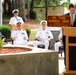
pixel 32 35
pixel 6 20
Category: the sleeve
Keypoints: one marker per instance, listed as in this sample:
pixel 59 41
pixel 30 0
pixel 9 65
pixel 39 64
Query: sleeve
pixel 21 20
pixel 26 36
pixel 10 22
pixel 13 34
pixel 50 34
pixel 60 35
pixel 37 34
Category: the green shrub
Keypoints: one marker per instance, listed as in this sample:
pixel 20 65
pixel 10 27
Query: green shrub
pixel 28 30
pixel 1 43
pixel 33 15
pixel 6 31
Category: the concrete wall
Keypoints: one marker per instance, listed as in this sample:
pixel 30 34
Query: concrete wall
pixel 53 10
pixel 39 62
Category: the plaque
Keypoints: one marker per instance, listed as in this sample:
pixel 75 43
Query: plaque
pixel 58 21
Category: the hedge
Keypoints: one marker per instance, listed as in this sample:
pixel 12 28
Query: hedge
pixel 6 31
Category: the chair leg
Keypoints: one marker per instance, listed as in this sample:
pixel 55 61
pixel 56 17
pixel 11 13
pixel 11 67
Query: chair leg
pixel 61 51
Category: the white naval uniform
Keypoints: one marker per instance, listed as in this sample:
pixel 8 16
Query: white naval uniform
pixel 19 36
pixel 58 44
pixel 44 35
pixel 15 20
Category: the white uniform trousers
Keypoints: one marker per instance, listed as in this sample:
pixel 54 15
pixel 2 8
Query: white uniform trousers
pixel 57 45
pixel 24 42
pixel 46 43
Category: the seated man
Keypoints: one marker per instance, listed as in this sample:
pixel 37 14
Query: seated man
pixel 2 37
pixel 43 36
pixel 59 43
pixel 19 36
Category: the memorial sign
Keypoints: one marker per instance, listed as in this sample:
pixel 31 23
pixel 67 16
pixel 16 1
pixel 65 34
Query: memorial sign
pixel 58 21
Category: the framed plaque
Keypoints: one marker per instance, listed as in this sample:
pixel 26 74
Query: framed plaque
pixel 58 21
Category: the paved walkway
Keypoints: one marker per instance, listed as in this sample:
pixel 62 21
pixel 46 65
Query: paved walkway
pixel 61 64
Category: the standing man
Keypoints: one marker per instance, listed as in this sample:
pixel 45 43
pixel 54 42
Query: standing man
pixel 72 15
pixel 15 19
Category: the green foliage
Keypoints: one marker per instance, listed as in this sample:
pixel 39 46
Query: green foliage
pixel 28 30
pixel 33 14
pixel 6 31
pixel 50 2
pixel 39 17
pixel 1 43
pixel 33 35
pixel 65 4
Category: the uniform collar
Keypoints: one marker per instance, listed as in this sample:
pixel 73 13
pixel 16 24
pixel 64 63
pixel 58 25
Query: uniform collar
pixel 43 30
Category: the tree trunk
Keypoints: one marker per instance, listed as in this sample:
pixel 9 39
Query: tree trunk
pixel 16 4
pixel 9 7
pixel 22 10
pixel 13 4
pixel 4 6
pixel 28 9
pixel 32 5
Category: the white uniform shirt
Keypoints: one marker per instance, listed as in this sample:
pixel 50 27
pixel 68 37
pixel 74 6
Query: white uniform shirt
pixel 44 34
pixel 19 35
pixel 15 20
pixel 60 35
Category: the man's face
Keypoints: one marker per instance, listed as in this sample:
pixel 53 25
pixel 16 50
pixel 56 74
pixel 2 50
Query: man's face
pixel 19 27
pixel 72 10
pixel 44 26
pixel 15 14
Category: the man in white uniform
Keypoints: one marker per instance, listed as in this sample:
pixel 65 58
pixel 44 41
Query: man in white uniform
pixel 19 36
pixel 59 43
pixel 43 36
pixel 15 19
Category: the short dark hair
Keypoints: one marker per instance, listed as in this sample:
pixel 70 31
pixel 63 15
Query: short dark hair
pixel 71 6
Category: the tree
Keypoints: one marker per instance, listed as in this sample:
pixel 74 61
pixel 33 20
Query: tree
pixel 65 4
pixel 14 4
pixel 7 3
pixel 22 9
pixel 42 3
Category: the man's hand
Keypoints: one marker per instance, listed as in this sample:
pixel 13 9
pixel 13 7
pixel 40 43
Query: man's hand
pixel 25 39
pixel 13 38
pixel 38 38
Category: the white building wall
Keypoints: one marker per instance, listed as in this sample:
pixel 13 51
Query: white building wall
pixel 51 11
